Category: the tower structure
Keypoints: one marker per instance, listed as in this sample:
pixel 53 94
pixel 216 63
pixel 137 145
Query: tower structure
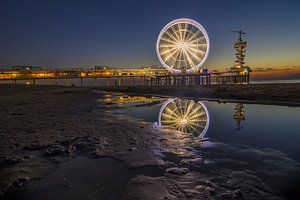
pixel 239 67
pixel 240 47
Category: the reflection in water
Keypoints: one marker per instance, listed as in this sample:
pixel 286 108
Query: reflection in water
pixel 184 115
pixel 239 115
pixel 123 99
pixel 225 161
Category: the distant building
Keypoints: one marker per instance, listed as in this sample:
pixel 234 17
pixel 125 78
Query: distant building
pixel 101 67
pixel 25 68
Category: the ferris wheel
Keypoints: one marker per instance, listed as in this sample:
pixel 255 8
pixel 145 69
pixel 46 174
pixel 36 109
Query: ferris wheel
pixel 184 115
pixel 182 46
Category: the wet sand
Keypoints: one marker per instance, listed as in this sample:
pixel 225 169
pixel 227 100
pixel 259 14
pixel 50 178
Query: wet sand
pixel 59 142
pixel 44 126
pixel 277 93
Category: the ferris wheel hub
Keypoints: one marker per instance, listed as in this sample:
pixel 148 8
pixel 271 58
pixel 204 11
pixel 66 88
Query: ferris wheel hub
pixel 184 121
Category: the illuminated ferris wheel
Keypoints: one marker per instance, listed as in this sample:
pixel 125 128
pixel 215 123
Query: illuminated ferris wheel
pixel 184 115
pixel 182 46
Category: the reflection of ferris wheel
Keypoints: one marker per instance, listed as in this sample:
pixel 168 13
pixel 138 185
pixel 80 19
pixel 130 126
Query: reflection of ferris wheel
pixel 182 46
pixel 184 115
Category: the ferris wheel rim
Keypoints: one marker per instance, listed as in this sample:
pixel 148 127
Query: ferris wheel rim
pixel 188 21
pixel 162 108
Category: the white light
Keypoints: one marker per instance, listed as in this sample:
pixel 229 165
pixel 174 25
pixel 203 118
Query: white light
pixel 182 43
pixel 184 115
pixel 184 121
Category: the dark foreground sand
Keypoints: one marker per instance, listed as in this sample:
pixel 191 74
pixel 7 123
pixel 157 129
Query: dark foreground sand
pixel 60 143
pixel 42 127
pixel 277 93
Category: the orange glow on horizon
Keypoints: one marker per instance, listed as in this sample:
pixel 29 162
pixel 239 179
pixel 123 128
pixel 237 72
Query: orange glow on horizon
pixel 276 73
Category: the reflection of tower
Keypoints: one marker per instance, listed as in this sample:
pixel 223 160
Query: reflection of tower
pixel 239 115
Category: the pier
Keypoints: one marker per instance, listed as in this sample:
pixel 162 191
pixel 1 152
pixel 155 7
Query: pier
pixel 124 77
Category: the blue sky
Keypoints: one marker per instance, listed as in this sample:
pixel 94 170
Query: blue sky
pixel 123 33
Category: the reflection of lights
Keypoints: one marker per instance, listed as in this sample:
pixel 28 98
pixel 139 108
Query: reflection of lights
pixel 182 44
pixel 121 99
pixel 239 115
pixel 27 83
pixel 184 115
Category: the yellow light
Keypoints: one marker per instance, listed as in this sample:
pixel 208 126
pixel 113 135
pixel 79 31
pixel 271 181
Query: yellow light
pixel 184 115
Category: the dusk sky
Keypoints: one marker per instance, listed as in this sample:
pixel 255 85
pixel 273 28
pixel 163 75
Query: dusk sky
pixel 123 33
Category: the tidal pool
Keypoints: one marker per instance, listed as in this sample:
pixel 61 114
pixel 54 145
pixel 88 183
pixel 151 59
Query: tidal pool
pixel 237 141
pixel 255 125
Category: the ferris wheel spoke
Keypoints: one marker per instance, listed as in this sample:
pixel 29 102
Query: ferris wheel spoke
pixel 188 109
pixel 190 36
pixel 171 121
pixel 196 116
pixel 196 57
pixel 193 128
pixel 178 58
pixel 180 109
pixel 171 113
pixel 197 45
pixel 184 108
pixel 168 116
pixel 185 31
pixel 170 55
pixel 185 130
pixel 190 61
pixel 193 50
pixel 195 124
pixel 176 126
pixel 168 41
pixel 175 59
pixel 197 39
pixel 172 38
pixel 179 31
pixel 168 46
pixel 175 33
pixel 194 111
pixel 186 62
pixel 174 111
pixel 169 50
pixel 195 119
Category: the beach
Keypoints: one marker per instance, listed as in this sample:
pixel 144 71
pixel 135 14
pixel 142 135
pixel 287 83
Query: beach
pixel 43 126
pixel 64 142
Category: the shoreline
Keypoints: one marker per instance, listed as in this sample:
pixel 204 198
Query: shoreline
pixel 254 94
pixel 276 103
pixel 285 94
